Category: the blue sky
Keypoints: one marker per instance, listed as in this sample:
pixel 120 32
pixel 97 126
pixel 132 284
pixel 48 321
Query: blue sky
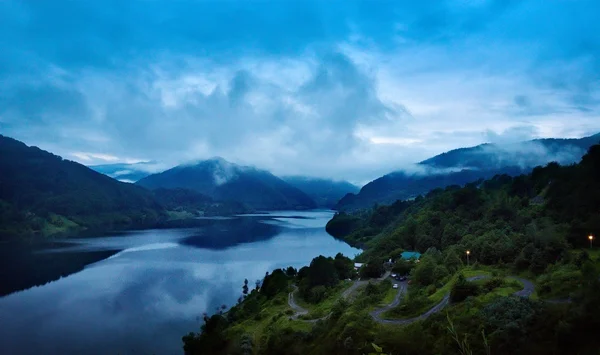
pixel 342 89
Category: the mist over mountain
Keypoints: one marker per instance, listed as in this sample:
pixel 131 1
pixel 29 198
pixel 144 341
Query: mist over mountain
pixel 128 172
pixel 522 154
pixel 464 165
pixel 325 192
pixel 225 181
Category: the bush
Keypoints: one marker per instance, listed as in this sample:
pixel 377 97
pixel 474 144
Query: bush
pixel 463 289
pixel 430 290
pixel 493 283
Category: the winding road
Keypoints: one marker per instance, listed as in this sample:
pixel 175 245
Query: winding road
pixel 526 292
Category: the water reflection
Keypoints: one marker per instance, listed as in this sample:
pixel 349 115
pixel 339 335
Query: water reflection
pixel 155 289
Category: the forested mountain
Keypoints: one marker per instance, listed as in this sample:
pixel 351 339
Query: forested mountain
pixel 549 202
pixel 325 192
pixel 41 193
pixel 225 181
pixel 460 166
pixel 530 286
pixel 126 172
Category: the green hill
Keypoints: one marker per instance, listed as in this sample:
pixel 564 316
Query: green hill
pixel 530 283
pixel 43 194
pixel 461 166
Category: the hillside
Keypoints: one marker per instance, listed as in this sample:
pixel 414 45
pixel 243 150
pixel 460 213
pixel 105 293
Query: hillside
pixel 43 194
pixel 325 192
pixel 222 180
pixel 568 195
pixel 194 203
pixel 461 166
pixel 506 268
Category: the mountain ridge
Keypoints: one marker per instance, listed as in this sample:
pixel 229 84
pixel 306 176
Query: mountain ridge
pixel 42 193
pixel 223 180
pixel 464 165
pixel 325 192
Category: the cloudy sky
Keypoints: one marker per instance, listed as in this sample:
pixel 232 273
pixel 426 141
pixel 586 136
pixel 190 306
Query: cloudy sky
pixel 343 89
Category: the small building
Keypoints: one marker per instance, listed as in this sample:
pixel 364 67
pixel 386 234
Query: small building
pixel 358 266
pixel 410 255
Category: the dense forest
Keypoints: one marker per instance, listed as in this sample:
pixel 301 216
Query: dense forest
pixel 529 284
pixel 465 165
pixel 42 194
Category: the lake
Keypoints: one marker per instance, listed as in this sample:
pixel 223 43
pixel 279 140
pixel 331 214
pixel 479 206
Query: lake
pixel 140 292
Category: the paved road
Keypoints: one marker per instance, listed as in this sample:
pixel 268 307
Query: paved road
pixel 300 311
pixel 527 291
pixel 293 305
pixel 528 287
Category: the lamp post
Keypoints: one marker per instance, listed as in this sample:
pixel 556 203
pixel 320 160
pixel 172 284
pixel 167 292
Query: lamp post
pixel 468 253
pixel 591 238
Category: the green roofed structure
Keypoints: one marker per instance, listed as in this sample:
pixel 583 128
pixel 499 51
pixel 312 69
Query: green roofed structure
pixel 410 255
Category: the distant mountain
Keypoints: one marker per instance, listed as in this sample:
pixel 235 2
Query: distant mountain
pixel 43 194
pixel 222 180
pixel 461 166
pixel 524 154
pixel 126 172
pixel 325 192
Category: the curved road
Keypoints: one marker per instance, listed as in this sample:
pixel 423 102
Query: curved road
pixel 293 305
pixel 526 292
pixel 528 289
pixel 300 311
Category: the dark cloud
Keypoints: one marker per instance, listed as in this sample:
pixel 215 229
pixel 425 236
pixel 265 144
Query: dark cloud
pixel 292 85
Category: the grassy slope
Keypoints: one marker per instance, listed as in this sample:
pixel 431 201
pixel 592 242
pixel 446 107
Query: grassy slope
pixel 437 297
pixel 324 307
pixel 272 316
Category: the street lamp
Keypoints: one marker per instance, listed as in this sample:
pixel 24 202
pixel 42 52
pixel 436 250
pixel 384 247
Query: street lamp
pixel 591 238
pixel 468 253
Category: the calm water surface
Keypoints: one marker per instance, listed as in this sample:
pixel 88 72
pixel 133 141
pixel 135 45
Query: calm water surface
pixel 156 285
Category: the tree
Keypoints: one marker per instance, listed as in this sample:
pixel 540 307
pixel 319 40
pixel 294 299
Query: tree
pixel 463 289
pixel 372 269
pixel 274 283
pixel 452 260
pixel 508 319
pixel 290 272
pixel 424 272
pixel 402 267
pixel 210 340
pixel 245 287
pixel 322 272
pixel 343 266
